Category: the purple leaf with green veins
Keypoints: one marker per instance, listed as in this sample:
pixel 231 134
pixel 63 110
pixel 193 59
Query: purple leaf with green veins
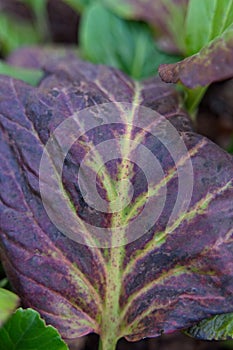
pixel 177 272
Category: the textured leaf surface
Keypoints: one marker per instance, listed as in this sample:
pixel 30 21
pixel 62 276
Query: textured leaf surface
pixel 8 303
pixel 164 281
pixel 213 63
pixel 219 327
pixel 25 330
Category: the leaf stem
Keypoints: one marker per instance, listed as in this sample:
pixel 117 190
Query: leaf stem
pixel 193 98
pixel 107 343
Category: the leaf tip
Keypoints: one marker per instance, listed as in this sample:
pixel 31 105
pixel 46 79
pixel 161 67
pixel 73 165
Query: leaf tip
pixel 169 73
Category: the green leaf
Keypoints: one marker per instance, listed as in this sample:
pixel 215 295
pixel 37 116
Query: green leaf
pixel 79 5
pixel 166 17
pixel 8 303
pixel 39 8
pixel 30 76
pixel 14 34
pixel 205 21
pixel 26 330
pixel 127 45
pixel 36 5
pixel 219 327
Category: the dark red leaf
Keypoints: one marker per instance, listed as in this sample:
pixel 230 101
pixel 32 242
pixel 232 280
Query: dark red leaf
pixel 174 274
pixel 213 63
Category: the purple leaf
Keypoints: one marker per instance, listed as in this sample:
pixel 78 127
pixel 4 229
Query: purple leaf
pixel 177 271
pixel 37 57
pixel 213 63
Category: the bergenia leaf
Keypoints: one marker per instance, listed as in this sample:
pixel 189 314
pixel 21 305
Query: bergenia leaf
pixel 25 330
pixel 213 63
pixel 8 303
pixel 219 327
pixel 169 266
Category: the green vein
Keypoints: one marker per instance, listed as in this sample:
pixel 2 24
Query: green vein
pixel 110 325
pixel 123 169
pixel 152 308
pixel 198 209
pixel 78 276
pixel 176 271
pixel 141 200
pixel 52 291
pixel 172 172
pixel 83 282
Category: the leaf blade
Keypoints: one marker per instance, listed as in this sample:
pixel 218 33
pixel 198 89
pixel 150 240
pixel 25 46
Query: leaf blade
pixel 205 22
pixel 197 71
pixel 8 303
pixel 26 330
pixel 126 45
pixel 165 280
pixel 219 327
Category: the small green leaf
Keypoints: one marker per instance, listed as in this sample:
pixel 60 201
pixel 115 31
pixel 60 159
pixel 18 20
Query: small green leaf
pixel 205 21
pixel 219 327
pixel 126 45
pixel 8 303
pixel 30 76
pixel 14 34
pixel 26 330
